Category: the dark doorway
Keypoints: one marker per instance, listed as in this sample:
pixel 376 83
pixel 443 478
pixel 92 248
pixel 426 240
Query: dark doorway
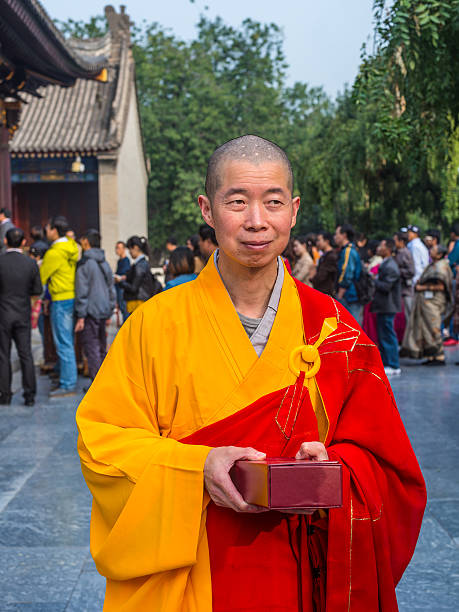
pixel 35 203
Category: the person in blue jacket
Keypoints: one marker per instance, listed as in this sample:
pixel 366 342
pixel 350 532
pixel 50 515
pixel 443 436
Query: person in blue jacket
pixel 181 267
pixel 349 270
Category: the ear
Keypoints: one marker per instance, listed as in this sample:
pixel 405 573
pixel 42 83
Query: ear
pixel 296 206
pixel 206 210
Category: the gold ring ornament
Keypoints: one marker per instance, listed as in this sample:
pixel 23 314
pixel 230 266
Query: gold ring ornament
pixel 309 353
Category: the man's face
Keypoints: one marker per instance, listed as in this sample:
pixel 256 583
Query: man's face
pixel 340 238
pixel 381 249
pixel 398 243
pixel 411 235
pixel 85 244
pixel 51 233
pixel 321 244
pixel 434 253
pixel 170 247
pixel 119 250
pixel 206 247
pixel 252 212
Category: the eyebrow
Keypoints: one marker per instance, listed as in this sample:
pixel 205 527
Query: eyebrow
pixel 234 190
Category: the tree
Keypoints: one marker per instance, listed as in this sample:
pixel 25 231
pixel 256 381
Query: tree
pixel 407 91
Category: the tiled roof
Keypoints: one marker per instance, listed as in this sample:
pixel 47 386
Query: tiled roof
pixel 34 52
pixel 86 118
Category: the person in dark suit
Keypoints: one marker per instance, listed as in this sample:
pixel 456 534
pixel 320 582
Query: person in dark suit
pixel 5 225
pixel 122 268
pixel 19 281
pixel 386 303
pixel 326 272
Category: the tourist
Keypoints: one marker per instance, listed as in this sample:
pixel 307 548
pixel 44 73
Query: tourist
pixel 433 296
pixel 418 250
pixel 181 267
pixel 326 272
pixel 288 255
pixel 386 303
pixel 5 225
pixel 361 242
pixel 405 264
pixel 311 239
pixel 188 388
pixel 304 264
pixel 122 267
pixel 171 244
pixel 37 234
pixel 58 272
pixel 453 255
pixel 138 283
pixel 432 237
pixel 95 300
pixel 19 282
pixel 349 269
pixel 193 244
pixel 207 241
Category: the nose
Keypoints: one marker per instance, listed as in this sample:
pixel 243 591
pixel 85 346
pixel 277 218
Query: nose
pixel 255 219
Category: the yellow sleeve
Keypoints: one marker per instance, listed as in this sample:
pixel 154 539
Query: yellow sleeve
pixel 50 264
pixel 148 490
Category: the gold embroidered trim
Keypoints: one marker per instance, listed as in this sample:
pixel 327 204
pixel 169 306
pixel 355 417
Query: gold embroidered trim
pixel 379 378
pixel 350 557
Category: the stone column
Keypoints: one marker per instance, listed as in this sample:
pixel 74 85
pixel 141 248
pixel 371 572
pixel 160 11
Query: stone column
pixel 108 205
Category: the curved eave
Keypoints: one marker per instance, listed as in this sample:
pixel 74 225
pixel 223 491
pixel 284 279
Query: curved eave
pixel 32 42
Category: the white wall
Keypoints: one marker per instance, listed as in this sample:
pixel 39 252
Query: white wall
pixel 132 178
pixel 123 187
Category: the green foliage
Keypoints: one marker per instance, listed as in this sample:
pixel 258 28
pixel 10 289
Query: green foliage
pixel 407 96
pixel 386 152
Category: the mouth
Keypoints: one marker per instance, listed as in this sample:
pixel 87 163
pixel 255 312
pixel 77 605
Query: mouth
pixel 257 245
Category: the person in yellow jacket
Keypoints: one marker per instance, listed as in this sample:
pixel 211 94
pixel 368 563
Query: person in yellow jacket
pixel 58 272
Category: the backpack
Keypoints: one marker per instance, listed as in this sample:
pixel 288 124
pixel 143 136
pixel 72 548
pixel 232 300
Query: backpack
pixel 365 287
pixel 156 285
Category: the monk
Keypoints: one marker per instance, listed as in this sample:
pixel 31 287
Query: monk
pixel 245 362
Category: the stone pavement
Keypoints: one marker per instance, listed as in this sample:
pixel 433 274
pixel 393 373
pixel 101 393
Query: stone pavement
pixel 44 504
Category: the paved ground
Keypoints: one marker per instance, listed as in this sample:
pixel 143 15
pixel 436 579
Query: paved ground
pixel 44 504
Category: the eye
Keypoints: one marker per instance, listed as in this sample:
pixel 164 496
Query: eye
pixel 235 203
pixel 275 203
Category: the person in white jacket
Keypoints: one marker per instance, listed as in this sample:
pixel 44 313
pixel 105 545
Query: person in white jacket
pixel 419 252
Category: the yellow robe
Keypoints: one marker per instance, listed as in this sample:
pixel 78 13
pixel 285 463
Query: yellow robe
pixel 181 362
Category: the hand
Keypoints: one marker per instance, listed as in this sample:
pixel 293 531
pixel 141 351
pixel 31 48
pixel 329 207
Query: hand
pixel 218 482
pixel 314 451
pixel 79 325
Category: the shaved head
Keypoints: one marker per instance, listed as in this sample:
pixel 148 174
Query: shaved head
pixel 249 148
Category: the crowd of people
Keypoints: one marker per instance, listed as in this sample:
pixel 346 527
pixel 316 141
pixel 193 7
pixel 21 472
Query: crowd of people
pixel 66 288
pixel 401 289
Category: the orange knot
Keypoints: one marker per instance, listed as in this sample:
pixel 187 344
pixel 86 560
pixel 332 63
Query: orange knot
pixel 310 354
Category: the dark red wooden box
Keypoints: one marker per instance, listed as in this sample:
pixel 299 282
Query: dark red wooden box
pixel 289 484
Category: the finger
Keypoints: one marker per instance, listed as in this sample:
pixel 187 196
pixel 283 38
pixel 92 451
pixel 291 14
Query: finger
pixel 251 454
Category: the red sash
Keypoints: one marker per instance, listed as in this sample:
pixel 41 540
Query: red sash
pixel 265 561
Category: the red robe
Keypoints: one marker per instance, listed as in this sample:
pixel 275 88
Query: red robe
pixel 353 558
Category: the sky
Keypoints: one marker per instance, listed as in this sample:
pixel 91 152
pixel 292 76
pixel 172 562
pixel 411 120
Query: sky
pixel 323 38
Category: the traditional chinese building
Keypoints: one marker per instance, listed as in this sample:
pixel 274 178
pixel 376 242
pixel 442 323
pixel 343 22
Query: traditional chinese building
pixel 79 152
